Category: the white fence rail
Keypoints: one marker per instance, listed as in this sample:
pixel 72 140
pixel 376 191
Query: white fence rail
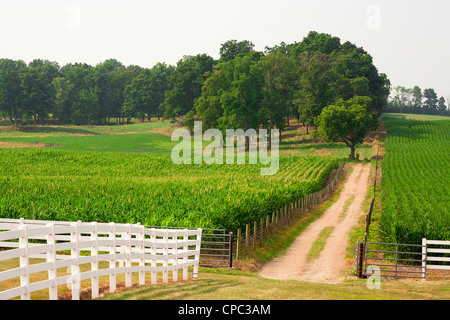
pixel 435 254
pixel 127 249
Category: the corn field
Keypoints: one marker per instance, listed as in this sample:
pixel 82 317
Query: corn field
pixel 415 181
pixel 58 185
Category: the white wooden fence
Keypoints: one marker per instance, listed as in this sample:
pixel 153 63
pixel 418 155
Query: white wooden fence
pixel 437 254
pixel 129 248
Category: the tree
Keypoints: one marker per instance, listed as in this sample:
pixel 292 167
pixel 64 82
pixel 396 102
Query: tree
pixel 232 95
pixel 315 91
pixel 11 91
pixel 144 97
pixel 417 98
pixel 442 107
pixel 39 93
pixel 64 97
pixel 431 101
pixel 279 74
pixel 186 83
pixel 230 49
pixel 347 122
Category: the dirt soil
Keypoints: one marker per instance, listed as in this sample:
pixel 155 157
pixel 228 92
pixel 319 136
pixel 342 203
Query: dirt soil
pixel 331 262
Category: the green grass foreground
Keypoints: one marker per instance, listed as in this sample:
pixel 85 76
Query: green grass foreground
pixel 238 285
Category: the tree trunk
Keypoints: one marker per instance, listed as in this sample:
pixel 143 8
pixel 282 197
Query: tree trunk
pixel 352 152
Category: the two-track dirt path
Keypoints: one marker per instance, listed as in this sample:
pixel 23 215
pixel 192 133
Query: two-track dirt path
pixel 343 216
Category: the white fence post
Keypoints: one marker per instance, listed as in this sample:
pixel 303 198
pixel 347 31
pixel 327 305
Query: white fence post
pixel 154 274
pixel 112 261
pixel 424 259
pixel 197 253
pixel 185 257
pixel 127 250
pixel 166 256
pixel 75 267
pixel 175 252
pixel 51 257
pixel 94 264
pixel 141 252
pixel 24 262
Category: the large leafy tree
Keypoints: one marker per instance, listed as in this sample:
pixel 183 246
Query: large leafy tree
pixel 186 83
pixel 38 91
pixel 230 49
pixel 431 101
pixel 330 71
pixel 347 121
pixel 11 91
pixel 64 96
pixel 315 86
pixel 144 97
pixel 279 74
pixel 232 94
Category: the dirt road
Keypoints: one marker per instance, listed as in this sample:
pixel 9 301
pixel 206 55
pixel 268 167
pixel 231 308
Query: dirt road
pixel 343 215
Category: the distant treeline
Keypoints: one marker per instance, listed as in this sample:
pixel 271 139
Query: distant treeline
pixel 414 100
pixel 243 89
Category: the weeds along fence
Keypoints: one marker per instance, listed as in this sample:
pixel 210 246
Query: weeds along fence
pixel 109 248
pixel 255 234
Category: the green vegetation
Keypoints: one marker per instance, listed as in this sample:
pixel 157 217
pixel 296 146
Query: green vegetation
pixel 126 187
pixel 320 243
pixel 138 142
pixel 416 101
pixel 236 285
pixel 423 117
pixel 347 122
pixel 416 181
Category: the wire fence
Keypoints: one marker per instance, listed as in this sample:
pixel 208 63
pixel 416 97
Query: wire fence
pixel 257 232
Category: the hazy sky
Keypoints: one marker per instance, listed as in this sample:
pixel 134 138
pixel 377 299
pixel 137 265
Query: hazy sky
pixel 408 40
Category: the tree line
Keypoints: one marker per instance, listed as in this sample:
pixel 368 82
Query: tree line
pixel 414 100
pixel 244 88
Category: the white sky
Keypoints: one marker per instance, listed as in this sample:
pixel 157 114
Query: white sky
pixel 408 39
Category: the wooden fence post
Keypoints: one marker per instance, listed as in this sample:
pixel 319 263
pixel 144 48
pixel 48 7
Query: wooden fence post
pixel 197 254
pixel 127 249
pixel 185 258
pixel 94 264
pixel 424 258
pixel 166 255
pixel 24 262
pixel 261 231
pixel 255 230
pixel 142 255
pixel 360 259
pixel 51 257
pixel 247 234
pixel 75 268
pixel 273 223
pixel 112 261
pixel 238 242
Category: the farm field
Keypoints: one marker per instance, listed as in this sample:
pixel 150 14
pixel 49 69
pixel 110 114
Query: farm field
pixel 151 137
pixel 416 181
pixel 49 184
pixel 423 117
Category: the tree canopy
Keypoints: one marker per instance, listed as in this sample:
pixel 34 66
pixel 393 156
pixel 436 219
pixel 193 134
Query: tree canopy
pixel 347 121
pixel 244 88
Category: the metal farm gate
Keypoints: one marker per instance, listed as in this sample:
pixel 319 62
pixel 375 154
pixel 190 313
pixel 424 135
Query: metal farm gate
pixel 401 260
pixel 216 249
